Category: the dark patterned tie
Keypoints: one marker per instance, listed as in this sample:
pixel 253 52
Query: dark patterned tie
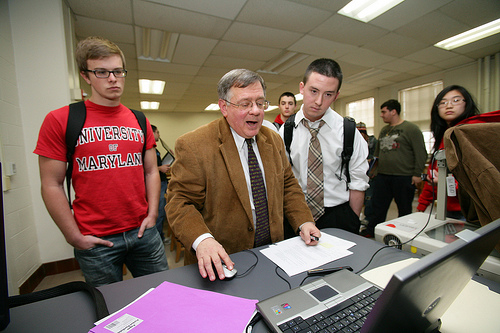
pixel 262 234
pixel 315 185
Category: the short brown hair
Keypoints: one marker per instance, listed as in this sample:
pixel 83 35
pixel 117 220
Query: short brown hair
pixel 95 47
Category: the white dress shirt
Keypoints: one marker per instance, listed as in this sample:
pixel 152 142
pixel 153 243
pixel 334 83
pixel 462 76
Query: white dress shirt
pixel 331 138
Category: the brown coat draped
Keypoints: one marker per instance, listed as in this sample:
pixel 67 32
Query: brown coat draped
pixel 472 155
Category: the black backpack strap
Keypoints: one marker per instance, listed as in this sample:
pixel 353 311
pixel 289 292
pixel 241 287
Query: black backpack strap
pixel 141 119
pixel 288 134
pixel 76 120
pixel 349 130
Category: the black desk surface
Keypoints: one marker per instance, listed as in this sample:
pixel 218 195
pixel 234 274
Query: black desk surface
pixel 75 312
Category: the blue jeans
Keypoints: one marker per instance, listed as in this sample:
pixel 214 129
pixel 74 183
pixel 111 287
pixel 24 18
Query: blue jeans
pixel 103 265
pixel 162 215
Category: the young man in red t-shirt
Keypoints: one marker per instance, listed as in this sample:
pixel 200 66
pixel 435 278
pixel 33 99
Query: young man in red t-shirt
pixel 116 189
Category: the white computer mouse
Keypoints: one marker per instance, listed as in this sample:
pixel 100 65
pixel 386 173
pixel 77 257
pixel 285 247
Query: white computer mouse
pixel 227 273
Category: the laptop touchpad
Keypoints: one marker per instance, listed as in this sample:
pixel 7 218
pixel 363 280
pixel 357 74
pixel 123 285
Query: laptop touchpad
pixel 323 293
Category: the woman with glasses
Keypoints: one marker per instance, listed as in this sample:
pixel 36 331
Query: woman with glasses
pixel 452 105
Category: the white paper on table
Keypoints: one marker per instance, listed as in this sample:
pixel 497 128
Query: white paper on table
pixel 294 256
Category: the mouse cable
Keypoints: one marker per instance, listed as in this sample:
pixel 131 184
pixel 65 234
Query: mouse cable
pixel 281 277
pixel 421 230
pixel 245 273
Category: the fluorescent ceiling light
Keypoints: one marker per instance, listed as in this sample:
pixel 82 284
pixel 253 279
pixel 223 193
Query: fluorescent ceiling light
pixel 470 36
pixel 271 108
pixel 212 107
pixel 367 10
pixel 282 63
pixel 146 105
pixel 154 87
pixel 299 97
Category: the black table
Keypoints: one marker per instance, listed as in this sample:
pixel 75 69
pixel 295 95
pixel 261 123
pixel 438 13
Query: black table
pixel 75 312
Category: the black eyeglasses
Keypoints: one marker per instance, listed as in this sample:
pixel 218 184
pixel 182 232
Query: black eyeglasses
pixel 103 74
pixel 247 105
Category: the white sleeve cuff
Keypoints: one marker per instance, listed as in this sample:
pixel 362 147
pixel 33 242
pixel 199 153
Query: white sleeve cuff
pixel 200 239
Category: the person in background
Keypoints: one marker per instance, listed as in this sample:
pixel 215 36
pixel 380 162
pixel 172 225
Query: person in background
pixel 401 159
pixel 231 182
pixel 452 105
pixel 286 104
pixel 318 137
pixel 163 169
pixel 116 188
pixel 372 144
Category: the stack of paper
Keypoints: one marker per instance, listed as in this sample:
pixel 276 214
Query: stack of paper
pixel 294 256
pixel 175 308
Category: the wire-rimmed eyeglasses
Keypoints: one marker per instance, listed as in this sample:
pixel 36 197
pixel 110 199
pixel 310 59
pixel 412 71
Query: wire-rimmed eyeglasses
pixel 104 74
pixel 454 101
pixel 262 104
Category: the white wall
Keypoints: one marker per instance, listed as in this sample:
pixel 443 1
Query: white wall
pixel 23 256
pixel 34 81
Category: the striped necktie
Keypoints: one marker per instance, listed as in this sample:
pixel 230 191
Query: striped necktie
pixel 315 185
pixel 262 233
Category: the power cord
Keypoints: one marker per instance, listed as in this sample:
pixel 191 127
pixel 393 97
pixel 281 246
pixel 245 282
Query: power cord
pixel 421 230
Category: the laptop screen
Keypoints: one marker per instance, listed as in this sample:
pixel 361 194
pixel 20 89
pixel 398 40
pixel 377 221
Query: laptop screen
pixel 418 295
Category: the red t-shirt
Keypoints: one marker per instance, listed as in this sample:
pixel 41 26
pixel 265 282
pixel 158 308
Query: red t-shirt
pixel 108 175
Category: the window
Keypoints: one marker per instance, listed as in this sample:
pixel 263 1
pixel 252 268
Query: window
pixel 362 111
pixel 416 103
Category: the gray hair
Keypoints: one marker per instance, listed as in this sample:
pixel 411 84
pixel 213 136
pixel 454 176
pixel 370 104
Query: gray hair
pixel 239 78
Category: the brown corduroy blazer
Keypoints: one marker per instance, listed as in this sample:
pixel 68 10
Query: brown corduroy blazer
pixel 208 193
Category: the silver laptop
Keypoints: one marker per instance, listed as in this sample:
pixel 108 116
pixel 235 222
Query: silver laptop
pixel 413 301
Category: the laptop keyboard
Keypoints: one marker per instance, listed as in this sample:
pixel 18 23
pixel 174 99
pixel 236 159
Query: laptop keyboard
pixel 348 316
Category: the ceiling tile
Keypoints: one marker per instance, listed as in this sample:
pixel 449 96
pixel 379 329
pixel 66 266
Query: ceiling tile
pixel 342 29
pixel 151 15
pixel 429 55
pixel 332 6
pixel 245 51
pixel 258 35
pixel 407 11
pixel 230 63
pixel 119 11
pixel 401 65
pixel 321 47
pixel 116 32
pixel 394 45
pixel 431 28
pixel 281 14
pixel 476 11
pixel 146 65
pixel 219 8
pixel 184 51
pixel 366 57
